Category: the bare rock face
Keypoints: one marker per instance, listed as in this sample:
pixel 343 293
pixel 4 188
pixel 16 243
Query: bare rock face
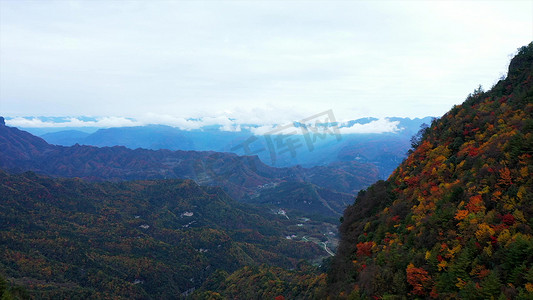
pixel 2 121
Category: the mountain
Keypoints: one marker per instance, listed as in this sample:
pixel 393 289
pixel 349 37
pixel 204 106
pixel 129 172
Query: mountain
pixel 455 219
pixel 148 137
pixel 70 239
pixel 384 150
pixel 239 176
pixel 154 137
pixel 65 137
pixel 19 148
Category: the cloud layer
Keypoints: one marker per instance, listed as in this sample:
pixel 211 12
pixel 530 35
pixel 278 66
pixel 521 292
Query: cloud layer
pixel 224 124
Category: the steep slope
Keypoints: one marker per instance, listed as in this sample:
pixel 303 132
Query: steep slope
pixel 239 176
pixel 19 149
pixel 66 238
pixel 455 219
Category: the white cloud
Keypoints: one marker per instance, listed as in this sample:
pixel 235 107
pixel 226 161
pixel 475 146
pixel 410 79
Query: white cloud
pixel 231 128
pixel 261 130
pixel 383 125
pixel 225 123
pixel 34 122
pixel 106 122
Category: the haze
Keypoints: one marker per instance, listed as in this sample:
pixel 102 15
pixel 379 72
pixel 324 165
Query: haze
pixel 257 62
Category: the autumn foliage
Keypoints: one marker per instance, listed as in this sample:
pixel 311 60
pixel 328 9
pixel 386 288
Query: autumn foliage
pixel 419 279
pixel 455 219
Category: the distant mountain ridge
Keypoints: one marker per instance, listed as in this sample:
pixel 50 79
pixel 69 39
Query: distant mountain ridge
pixel 240 176
pixel 156 137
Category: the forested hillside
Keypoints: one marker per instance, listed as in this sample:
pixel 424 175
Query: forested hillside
pixel 265 282
pixel 455 219
pixel 70 239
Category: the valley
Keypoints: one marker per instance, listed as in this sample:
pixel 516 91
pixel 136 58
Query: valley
pixel 68 237
pixel 190 163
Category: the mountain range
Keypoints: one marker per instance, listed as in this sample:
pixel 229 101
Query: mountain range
pixel 453 221
pixel 240 176
pixel 384 150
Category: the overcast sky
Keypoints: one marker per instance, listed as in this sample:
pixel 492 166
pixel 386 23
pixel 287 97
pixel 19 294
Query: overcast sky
pixel 255 61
